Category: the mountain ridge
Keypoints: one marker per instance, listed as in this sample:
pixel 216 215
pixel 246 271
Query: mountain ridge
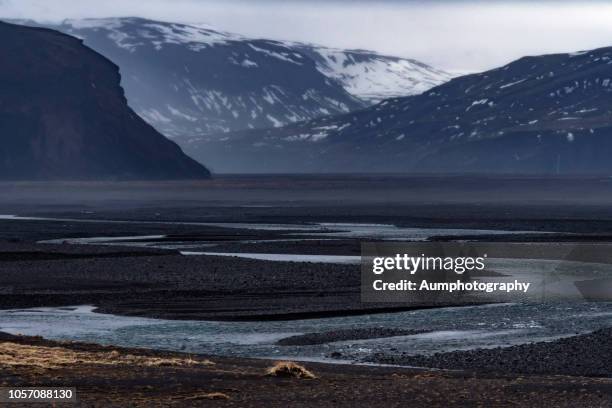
pixel 548 114
pixel 282 81
pixel 63 115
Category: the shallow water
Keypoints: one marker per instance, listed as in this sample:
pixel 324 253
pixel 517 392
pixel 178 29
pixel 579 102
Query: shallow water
pixel 448 329
pixel 318 231
pixel 393 232
pixel 335 259
pixel 324 229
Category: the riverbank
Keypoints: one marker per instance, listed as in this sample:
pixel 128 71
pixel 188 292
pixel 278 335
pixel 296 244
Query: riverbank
pixel 112 376
pixel 138 280
pixel 582 355
pixel 165 284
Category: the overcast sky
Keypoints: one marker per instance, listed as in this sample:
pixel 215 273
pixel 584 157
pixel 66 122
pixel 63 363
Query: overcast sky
pixel 455 35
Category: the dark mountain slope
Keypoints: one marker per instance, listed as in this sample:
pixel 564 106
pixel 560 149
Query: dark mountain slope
pixel 194 83
pixel 63 115
pixel 548 114
pixel 190 81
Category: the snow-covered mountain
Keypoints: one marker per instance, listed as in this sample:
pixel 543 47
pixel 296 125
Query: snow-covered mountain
pixel 373 77
pixel 190 81
pixel 549 114
pixel 193 83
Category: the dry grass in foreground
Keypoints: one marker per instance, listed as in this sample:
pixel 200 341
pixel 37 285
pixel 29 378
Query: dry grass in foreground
pixel 20 355
pixel 289 369
pixel 115 377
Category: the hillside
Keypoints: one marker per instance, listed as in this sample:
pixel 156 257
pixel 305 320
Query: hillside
pixel 63 115
pixel 549 114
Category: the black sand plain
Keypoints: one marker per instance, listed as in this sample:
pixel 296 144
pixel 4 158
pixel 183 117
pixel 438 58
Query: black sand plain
pixel 163 283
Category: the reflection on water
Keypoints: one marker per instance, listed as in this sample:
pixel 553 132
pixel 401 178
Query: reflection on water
pixel 447 329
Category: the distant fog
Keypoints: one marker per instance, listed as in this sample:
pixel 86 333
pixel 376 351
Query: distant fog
pixel 460 36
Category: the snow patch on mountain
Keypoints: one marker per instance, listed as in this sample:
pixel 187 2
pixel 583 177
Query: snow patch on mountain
pixel 193 82
pixel 284 56
pixel 158 33
pixel 374 77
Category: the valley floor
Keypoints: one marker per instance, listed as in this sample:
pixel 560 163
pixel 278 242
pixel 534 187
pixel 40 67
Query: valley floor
pixel 111 376
pixel 162 283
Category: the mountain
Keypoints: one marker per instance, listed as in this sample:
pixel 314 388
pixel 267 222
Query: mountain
pixel 373 77
pixel 63 115
pixel 191 82
pixel 549 114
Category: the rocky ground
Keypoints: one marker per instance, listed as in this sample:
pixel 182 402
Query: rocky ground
pixel 111 376
pixel 141 281
pixel 583 355
pixel 166 284
pixel 162 283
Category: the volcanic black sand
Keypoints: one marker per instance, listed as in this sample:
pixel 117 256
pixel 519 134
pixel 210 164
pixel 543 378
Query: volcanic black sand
pixel 112 376
pixel 163 283
pixel 584 355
